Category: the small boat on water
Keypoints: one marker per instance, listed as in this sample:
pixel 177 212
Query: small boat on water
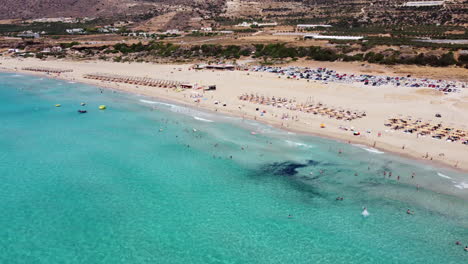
pixel 82 111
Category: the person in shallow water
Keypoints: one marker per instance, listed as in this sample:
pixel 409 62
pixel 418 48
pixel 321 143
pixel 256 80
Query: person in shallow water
pixel 365 213
pixel 466 248
pixel 409 212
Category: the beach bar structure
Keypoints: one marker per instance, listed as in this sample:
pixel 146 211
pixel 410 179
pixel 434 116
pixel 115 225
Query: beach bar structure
pixel 46 69
pixel 134 80
pixel 229 67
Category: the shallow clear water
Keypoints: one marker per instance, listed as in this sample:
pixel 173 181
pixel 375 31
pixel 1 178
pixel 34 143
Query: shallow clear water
pixel 110 187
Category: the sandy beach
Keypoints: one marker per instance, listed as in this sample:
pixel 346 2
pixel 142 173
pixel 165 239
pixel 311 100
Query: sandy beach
pixel 379 103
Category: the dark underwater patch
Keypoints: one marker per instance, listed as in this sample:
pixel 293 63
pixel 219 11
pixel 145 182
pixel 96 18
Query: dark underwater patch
pixel 306 184
pixel 286 168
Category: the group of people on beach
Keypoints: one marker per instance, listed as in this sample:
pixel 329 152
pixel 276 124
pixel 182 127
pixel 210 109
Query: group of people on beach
pixel 328 75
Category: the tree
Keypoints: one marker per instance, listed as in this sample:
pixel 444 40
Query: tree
pixel 447 59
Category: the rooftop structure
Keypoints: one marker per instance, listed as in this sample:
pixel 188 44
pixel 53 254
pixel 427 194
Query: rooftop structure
pixel 75 31
pixel 108 29
pixel 256 24
pixel 29 35
pixel 206 29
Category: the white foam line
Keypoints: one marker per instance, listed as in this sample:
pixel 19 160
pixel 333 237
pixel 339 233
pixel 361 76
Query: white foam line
pixel 462 186
pixel 298 144
pixel 148 102
pixel 159 103
pixel 444 176
pixel 202 119
pixel 371 150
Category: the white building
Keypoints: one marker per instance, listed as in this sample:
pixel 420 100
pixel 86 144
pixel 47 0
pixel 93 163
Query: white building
pixel 206 29
pixel 246 24
pixel 424 3
pixel 75 31
pixel 172 32
pixel 52 50
pixel 305 26
pixel 273 24
pixel 314 36
pixel 108 29
pixel 29 34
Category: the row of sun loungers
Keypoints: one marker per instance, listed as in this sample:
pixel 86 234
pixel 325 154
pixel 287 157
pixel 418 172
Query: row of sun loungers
pixel 436 131
pixel 312 108
pixel 46 69
pixel 134 80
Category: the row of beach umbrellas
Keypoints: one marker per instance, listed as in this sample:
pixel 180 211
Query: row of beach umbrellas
pixel 134 80
pixel 46 69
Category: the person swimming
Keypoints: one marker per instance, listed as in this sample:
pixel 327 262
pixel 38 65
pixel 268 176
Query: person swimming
pixel 365 213
pixel 409 212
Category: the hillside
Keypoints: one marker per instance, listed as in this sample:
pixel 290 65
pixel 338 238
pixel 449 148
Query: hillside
pixel 185 12
pixel 28 9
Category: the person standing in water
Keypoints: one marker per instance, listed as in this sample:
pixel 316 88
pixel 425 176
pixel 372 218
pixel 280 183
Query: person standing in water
pixel 365 213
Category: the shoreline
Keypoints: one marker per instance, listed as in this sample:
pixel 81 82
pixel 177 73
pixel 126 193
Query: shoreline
pixel 339 136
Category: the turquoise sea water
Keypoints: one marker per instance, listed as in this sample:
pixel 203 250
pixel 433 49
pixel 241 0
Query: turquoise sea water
pixel 152 182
